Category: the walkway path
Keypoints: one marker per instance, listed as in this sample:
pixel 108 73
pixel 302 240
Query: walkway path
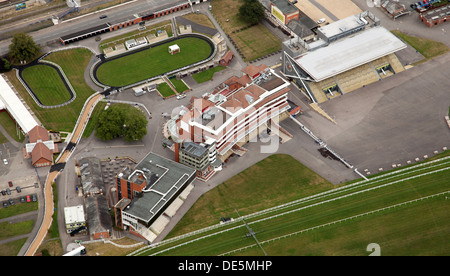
pixel 51 177
pixel 237 57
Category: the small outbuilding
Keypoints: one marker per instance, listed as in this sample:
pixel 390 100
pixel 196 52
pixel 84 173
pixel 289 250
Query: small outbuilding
pixel 226 59
pixel 173 49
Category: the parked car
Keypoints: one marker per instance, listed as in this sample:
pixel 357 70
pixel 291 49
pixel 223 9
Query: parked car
pixel 8 191
pixel 34 198
pixel 18 189
pixel 320 21
pixel 5 204
pixel 10 183
pixel 22 199
pixel 5 161
pixel 181 96
pixel 3 192
pixel 28 198
pixel 11 202
pixel 103 16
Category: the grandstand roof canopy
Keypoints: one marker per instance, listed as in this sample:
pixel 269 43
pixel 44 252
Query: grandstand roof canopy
pixel 348 53
pixel 15 107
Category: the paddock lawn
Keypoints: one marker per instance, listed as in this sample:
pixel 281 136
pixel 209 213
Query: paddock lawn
pixel 255 41
pixel 74 63
pixel 46 84
pixel 152 62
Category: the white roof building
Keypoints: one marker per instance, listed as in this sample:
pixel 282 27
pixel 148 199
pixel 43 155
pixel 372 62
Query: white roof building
pixel 174 48
pixel 349 53
pixel 11 102
pixel 74 217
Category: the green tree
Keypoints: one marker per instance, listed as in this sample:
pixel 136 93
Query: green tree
pixel 23 48
pixel 135 125
pixel 5 65
pixel 121 120
pixel 251 11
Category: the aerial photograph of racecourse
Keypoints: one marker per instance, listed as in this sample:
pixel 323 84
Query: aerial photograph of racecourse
pixel 225 128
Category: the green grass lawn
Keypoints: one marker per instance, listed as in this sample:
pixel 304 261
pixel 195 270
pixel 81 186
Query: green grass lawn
pixel 427 47
pixel 8 230
pixel 207 74
pixel 3 138
pixel 46 84
pixel 12 248
pixel 165 90
pixel 10 126
pixel 152 62
pixel 93 119
pixel 18 209
pixel 179 85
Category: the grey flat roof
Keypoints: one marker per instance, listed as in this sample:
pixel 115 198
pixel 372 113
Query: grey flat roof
pixel 194 149
pixel 440 12
pixel 87 31
pixel 285 6
pixel 349 52
pixel 172 177
pixel 349 23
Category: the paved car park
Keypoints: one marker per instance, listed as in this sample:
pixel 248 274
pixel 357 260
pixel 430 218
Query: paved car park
pixel 17 187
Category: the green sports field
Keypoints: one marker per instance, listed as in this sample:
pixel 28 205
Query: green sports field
pixel 152 62
pixel 405 212
pixel 46 84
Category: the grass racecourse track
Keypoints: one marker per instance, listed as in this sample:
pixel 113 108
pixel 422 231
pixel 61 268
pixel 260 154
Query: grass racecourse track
pixel 404 211
pixel 149 62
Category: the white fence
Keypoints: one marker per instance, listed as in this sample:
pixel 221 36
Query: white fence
pixel 337 221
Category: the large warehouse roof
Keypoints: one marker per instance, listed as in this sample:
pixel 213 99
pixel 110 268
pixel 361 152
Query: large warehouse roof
pixel 15 107
pixel 348 53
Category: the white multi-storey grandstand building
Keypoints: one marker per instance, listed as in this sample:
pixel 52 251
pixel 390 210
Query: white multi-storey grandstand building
pixel 346 55
pixel 236 111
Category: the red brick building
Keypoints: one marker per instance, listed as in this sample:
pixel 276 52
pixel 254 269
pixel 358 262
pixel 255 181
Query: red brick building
pixel 40 148
pixel 436 16
pixel 284 11
pixel 226 59
pixel 150 193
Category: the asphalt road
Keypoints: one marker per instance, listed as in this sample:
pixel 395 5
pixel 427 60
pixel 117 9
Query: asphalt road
pixel 50 35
